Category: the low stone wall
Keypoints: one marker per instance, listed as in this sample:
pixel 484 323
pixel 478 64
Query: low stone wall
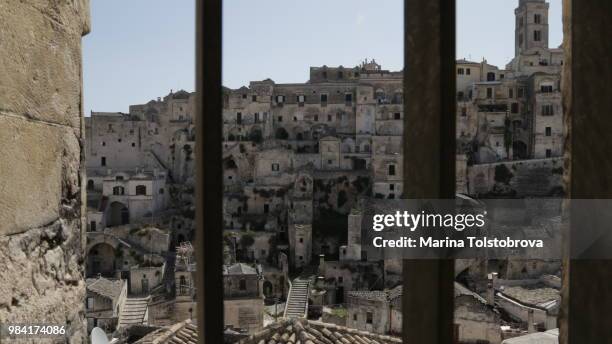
pixel 519 178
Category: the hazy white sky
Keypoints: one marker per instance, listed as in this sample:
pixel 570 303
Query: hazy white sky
pixel 140 49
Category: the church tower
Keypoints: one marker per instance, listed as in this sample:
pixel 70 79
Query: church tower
pixel 531 26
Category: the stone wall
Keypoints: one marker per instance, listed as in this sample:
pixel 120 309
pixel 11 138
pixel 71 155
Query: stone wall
pixel 41 209
pixel 537 177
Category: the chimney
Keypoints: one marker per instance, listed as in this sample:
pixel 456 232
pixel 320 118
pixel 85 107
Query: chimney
pixel 491 288
pixel 530 322
pixel 321 265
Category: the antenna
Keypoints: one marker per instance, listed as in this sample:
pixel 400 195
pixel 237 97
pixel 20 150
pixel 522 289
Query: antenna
pixel 98 336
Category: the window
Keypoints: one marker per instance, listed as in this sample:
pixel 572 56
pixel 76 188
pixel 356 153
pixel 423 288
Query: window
pixel 161 191
pixel 391 187
pixel 546 88
pixel 301 240
pixel 397 115
pixel 463 111
pixel 266 208
pixel 355 317
pixel 103 143
pixel 256 117
pixel 280 99
pixel 340 279
pixel 324 98
pixel 118 140
pixel 242 284
pixel 329 162
pixel 324 74
pixel 537 35
pixel 244 96
pixel 391 170
pixel 340 75
pixel 548 131
pixel 510 93
pixel 489 92
pixel 316 118
pixel 348 98
pixel 547 110
pixel 90 184
pixel 119 178
pixel 253 98
pixel 239 118
pixel 514 108
pixel 133 144
pixel 520 92
pixel 501 76
pixel 141 190
pixel 301 98
pixel 490 76
pixel 467 71
pixel 537 18
pixel 118 191
pixel 460 71
pixel 548 153
pixel 275 167
pixel 92 226
pixel 521 22
pixel 295 118
pixel 103 161
pixel 369 317
pixel 329 118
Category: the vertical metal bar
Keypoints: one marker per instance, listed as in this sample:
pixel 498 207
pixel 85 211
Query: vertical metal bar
pixel 209 185
pixel 585 313
pixel 429 158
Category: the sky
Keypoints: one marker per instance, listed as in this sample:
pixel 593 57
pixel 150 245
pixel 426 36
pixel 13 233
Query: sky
pixel 139 50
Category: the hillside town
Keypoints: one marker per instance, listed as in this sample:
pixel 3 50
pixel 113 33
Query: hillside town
pixel 299 161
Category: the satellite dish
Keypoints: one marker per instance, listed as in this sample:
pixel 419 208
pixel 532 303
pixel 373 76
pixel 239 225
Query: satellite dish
pixel 98 336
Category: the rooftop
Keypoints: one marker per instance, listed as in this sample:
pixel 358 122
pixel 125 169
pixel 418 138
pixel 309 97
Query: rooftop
pixel 239 269
pixel 184 332
pixel 110 288
pixel 311 332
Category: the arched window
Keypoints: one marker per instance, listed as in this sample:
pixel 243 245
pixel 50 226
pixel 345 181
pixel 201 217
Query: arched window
pixel 90 184
pixel 141 190
pixel 118 190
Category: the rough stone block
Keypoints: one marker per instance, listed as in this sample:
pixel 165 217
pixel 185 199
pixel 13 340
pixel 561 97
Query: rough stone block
pixel 39 168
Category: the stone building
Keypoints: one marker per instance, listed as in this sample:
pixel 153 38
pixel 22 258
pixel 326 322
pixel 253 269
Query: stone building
pixel 42 206
pixel 104 303
pixel 515 112
pixel 243 297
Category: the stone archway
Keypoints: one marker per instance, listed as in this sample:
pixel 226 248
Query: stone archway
pixel 101 260
pixel 118 214
pixel 519 150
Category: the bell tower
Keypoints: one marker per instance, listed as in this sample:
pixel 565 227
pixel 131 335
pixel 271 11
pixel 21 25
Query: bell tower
pixel 531 26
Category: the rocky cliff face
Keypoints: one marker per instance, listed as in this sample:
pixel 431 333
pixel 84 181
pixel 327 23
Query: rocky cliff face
pixel 41 163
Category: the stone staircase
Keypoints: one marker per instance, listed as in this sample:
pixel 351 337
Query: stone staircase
pixel 134 312
pixel 297 300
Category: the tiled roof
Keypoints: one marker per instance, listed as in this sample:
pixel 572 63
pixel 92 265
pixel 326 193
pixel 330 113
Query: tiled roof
pixel 371 295
pixel 239 269
pixel 460 290
pixel 110 288
pixel 181 333
pixel 315 332
pixel 378 295
pixel 539 297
